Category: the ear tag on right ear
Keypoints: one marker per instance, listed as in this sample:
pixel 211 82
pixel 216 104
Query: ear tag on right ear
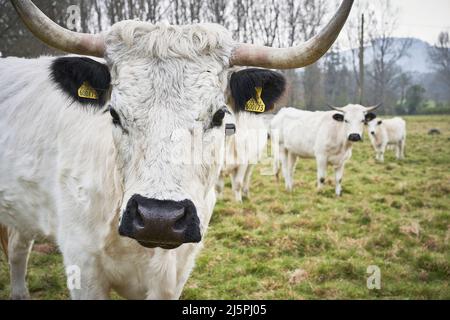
pixel 86 91
pixel 256 105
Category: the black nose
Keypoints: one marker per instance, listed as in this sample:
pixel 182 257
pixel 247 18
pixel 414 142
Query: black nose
pixel 372 133
pixel 354 137
pixel 160 223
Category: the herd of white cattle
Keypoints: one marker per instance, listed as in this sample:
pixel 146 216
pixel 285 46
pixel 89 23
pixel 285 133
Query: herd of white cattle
pixel 328 137
pixel 87 145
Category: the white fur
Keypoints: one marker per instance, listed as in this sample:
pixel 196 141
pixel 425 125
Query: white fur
pixel 67 172
pixel 390 132
pixel 305 134
pixel 242 151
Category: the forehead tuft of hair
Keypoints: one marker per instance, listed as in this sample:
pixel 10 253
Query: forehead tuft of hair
pixel 244 82
pixel 136 39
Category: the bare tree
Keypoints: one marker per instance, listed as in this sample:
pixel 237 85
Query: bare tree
pixel 386 50
pixel 216 11
pixel 292 11
pixel 187 11
pixel 242 15
pixel 310 18
pixel 405 81
pixel 440 57
pixel 266 17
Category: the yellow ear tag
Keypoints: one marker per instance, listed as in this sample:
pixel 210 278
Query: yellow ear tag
pixel 256 105
pixel 86 91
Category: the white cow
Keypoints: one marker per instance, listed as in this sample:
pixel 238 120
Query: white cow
pixel 97 156
pixel 387 132
pixel 242 151
pixel 326 136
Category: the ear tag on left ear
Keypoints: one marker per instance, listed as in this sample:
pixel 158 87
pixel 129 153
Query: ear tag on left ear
pixel 86 91
pixel 256 105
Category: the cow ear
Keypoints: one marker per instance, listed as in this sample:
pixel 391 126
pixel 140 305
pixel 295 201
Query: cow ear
pixel 256 90
pixel 338 117
pixel 84 80
pixel 380 122
pixel 370 116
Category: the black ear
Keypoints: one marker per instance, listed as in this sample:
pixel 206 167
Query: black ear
pixel 84 80
pixel 370 116
pixel 380 122
pixel 246 85
pixel 338 117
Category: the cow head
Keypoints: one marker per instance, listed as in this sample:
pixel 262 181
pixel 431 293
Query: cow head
pixel 372 126
pixel 169 88
pixel 354 116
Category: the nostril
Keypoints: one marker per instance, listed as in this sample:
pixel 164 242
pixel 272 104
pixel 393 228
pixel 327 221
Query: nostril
pixel 135 214
pixel 138 219
pixel 181 220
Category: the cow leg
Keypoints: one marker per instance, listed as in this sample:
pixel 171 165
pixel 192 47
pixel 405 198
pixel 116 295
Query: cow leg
pixel 247 178
pixel 237 180
pixel 381 153
pixel 321 171
pixel 290 170
pixel 339 173
pixel 377 154
pixel 401 148
pixel 283 158
pixel 19 247
pixel 220 184
pixel 397 151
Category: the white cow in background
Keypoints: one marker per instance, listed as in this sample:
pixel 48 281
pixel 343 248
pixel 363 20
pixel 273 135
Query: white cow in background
pixel 387 132
pixel 326 136
pixel 88 150
pixel 242 151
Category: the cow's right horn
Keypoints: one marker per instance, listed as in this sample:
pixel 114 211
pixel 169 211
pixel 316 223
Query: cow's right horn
pixel 246 54
pixel 56 36
pixel 368 109
pixel 335 108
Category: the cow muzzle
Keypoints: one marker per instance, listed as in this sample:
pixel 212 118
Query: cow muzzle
pixel 160 223
pixel 354 137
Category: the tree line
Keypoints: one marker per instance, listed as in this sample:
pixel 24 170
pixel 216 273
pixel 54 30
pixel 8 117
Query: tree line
pixel 334 79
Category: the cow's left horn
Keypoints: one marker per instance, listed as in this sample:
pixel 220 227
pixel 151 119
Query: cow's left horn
pixel 368 109
pixel 56 36
pixel 293 57
pixel 335 108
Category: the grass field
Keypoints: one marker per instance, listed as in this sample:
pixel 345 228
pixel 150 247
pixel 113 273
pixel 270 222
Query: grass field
pixel 312 245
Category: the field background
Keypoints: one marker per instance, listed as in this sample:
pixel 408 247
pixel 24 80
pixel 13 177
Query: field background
pixel 312 245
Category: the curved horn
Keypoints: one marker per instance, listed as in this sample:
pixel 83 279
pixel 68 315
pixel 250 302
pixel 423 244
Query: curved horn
pixel 293 57
pixel 335 108
pixel 56 36
pixel 368 109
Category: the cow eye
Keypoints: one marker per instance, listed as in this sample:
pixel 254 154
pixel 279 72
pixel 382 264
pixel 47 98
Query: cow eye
pixel 115 116
pixel 218 117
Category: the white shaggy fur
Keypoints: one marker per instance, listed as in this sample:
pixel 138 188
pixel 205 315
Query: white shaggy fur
pixel 387 132
pixel 305 134
pixel 67 172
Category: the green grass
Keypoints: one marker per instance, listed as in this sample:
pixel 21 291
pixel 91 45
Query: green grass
pixel 394 215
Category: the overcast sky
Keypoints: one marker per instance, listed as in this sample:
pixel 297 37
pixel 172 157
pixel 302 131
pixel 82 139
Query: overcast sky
pixel 423 19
